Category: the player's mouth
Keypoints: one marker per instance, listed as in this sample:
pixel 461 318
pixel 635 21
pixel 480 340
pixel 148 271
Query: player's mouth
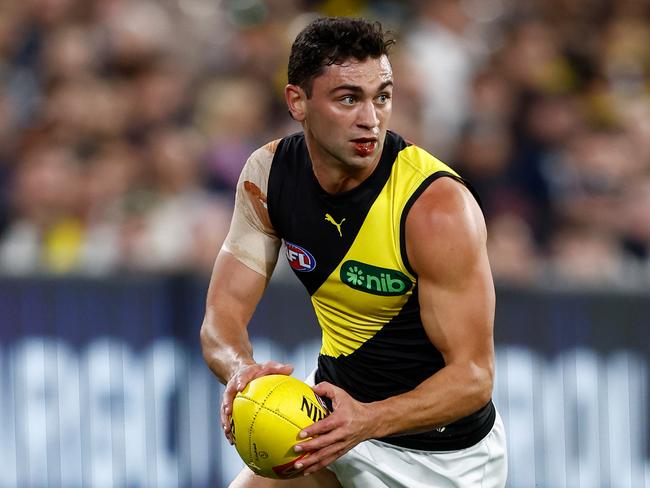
pixel 364 146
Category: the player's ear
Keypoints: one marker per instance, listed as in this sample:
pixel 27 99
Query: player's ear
pixel 296 102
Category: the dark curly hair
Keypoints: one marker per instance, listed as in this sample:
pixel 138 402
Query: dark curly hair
pixel 333 40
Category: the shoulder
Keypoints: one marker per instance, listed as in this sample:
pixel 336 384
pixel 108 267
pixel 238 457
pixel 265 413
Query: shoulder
pixel 445 227
pixel 255 172
pixel 262 157
pixel 422 162
pixel 252 187
pixel 446 197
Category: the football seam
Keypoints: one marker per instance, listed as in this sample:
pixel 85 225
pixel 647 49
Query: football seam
pixel 279 414
pixel 268 410
pixel 282 416
pixel 261 405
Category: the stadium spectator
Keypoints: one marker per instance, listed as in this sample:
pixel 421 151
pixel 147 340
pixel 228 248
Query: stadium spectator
pixel 545 106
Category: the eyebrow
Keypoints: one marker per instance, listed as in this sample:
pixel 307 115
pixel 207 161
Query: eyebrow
pixel 358 89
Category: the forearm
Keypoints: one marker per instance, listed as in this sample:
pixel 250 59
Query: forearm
pixel 226 346
pixel 454 392
pixel 233 294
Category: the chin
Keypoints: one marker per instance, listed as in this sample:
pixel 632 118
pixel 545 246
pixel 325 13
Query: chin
pixel 361 162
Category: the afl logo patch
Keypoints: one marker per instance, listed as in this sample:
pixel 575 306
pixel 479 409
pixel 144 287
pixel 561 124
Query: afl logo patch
pixel 300 259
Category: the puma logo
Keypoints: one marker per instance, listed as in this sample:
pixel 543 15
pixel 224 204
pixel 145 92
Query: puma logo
pixel 331 220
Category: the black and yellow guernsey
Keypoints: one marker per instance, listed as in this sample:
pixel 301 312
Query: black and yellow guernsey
pixel 348 250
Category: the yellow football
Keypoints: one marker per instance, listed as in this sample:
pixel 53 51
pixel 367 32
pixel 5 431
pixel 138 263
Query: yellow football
pixel 266 420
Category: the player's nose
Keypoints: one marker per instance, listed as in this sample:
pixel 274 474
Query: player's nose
pixel 368 117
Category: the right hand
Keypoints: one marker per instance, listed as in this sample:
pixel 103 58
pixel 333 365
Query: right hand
pixel 238 382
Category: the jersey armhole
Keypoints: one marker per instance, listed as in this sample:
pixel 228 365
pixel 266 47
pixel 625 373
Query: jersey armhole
pixel 411 201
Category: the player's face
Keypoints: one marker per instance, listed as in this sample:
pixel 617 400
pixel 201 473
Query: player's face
pixel 348 112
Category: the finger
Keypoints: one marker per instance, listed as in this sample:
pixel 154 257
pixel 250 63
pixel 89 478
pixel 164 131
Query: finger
pixel 231 388
pixel 270 367
pixel 245 376
pixel 226 426
pixel 274 364
pixel 225 420
pixel 328 424
pixel 322 464
pixel 325 389
pixel 276 367
pixel 316 443
pixel 320 459
pixel 226 405
pixel 328 458
pixel 241 379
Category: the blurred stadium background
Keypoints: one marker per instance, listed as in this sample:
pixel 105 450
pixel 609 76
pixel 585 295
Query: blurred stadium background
pixel 123 127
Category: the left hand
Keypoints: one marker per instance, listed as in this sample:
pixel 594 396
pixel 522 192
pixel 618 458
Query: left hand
pixel 349 424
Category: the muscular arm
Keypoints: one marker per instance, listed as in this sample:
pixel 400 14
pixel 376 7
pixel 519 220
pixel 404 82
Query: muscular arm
pixel 240 275
pixel 233 294
pixel 445 239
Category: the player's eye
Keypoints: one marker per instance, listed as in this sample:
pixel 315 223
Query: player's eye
pixel 383 98
pixel 348 100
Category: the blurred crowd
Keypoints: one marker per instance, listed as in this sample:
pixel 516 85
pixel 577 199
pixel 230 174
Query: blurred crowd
pixel 124 125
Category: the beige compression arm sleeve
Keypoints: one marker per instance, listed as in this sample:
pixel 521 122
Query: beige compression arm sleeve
pixel 251 238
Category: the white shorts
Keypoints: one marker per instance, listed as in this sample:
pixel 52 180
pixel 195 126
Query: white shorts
pixel 376 464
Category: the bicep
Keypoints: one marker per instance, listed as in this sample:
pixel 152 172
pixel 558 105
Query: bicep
pixel 235 289
pixel 446 248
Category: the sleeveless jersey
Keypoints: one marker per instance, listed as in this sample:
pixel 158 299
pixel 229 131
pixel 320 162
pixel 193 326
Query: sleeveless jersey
pixel 348 250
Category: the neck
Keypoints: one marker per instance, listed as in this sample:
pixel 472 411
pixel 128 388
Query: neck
pixel 333 180
pixel 339 178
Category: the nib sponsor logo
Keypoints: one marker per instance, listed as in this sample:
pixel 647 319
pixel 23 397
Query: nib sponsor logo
pixel 300 259
pixel 373 279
